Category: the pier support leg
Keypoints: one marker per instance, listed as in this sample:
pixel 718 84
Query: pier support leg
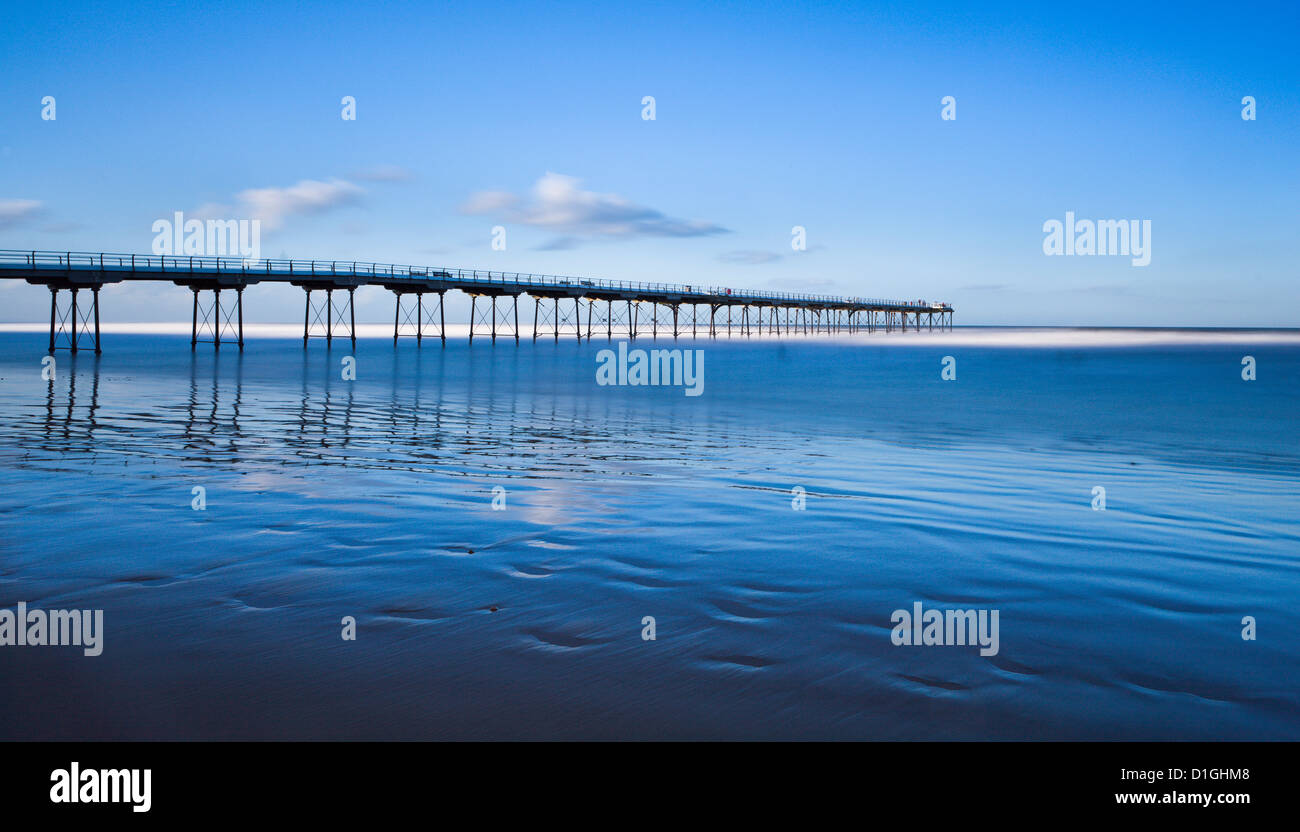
pixel 66 326
pixel 54 305
pixel 95 303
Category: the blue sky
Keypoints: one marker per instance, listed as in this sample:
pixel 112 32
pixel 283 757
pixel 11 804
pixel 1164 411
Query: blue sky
pixel 768 116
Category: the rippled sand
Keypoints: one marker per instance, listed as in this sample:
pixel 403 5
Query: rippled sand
pixel 373 499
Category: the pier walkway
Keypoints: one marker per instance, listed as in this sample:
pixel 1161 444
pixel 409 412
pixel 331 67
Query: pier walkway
pixel 562 305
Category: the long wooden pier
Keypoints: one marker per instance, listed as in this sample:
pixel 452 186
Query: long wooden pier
pixel 559 302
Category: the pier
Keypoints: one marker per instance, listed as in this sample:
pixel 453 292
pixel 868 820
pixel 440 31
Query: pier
pixel 562 306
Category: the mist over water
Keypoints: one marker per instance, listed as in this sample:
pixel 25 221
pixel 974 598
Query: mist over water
pixel 372 498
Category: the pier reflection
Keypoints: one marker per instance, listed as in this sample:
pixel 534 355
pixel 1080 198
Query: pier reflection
pixel 65 428
pixel 506 412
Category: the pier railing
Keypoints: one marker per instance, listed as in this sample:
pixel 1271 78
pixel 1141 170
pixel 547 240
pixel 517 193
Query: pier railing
pixel 294 269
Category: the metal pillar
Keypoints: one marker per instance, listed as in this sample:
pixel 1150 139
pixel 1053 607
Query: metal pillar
pixel 54 305
pixel 312 315
pixel 402 317
pixel 94 292
pixel 66 325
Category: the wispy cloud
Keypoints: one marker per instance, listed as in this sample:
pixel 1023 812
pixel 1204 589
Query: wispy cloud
pixel 61 227
pixel 488 202
pixel 15 211
pixel 559 204
pixel 749 257
pixel 274 205
pixel 558 244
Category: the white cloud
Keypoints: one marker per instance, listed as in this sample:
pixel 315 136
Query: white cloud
pixel 488 202
pixel 273 205
pixel 557 203
pixel 14 211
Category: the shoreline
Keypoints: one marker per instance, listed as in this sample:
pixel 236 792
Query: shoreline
pixel 975 336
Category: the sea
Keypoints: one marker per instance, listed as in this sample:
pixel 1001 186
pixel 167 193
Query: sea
pixel 487 541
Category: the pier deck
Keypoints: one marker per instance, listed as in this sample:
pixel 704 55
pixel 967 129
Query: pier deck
pixel 629 307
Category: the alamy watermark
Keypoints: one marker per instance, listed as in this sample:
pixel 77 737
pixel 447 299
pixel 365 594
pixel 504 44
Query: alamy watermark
pixel 52 628
pixel 210 238
pixel 639 368
pixel 110 785
pixel 1124 238
pixel 946 628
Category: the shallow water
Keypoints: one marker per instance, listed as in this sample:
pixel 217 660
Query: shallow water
pixel 373 498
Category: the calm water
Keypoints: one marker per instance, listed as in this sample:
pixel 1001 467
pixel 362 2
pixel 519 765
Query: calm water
pixel 328 498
